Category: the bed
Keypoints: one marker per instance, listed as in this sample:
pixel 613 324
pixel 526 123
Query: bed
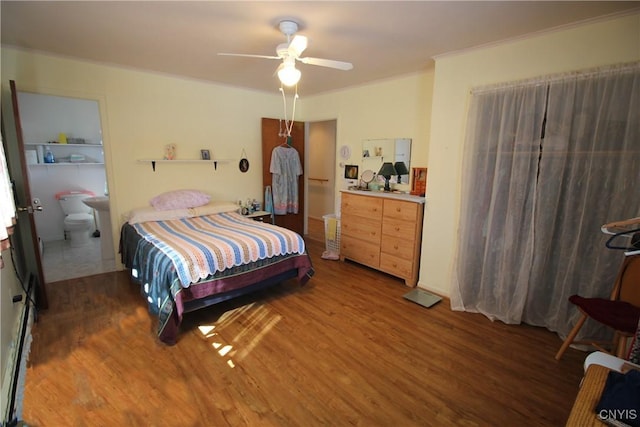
pixel 192 261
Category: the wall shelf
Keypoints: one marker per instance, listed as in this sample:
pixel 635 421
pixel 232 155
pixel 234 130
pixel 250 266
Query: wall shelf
pixel 154 161
pixel 67 164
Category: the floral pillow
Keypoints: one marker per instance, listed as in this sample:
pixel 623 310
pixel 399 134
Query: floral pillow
pixel 179 199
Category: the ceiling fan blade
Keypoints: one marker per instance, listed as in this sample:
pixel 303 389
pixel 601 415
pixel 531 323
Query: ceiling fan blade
pixel 297 46
pixel 340 65
pixel 249 55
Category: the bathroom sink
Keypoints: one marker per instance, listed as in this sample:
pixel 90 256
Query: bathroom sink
pixel 100 203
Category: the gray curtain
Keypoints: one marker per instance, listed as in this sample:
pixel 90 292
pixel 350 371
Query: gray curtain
pixel 546 163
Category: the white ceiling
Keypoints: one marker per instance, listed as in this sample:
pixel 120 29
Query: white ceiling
pixel 381 39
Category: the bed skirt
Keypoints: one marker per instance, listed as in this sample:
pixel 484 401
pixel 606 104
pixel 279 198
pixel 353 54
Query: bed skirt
pixel 169 300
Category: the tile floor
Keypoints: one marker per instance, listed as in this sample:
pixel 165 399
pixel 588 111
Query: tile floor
pixel 60 261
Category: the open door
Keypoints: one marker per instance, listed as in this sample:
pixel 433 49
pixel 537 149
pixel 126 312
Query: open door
pixel 270 140
pixel 26 243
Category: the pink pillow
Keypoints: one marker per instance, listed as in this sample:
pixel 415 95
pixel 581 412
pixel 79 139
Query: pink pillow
pixel 180 199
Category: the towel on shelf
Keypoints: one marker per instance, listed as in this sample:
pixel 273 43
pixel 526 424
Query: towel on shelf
pixel 332 227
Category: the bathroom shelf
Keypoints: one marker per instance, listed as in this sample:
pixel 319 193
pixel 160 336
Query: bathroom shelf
pixel 47 144
pixel 154 161
pixel 93 153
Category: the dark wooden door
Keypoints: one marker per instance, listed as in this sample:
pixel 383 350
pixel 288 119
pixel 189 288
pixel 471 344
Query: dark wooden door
pixel 26 242
pixel 270 140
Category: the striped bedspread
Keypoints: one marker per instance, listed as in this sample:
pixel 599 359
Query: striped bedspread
pixel 199 247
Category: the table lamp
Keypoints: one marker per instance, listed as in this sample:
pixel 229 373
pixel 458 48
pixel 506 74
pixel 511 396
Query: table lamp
pixel 387 171
pixel 401 169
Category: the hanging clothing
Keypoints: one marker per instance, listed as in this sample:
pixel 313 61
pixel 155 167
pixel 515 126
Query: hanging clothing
pixel 285 169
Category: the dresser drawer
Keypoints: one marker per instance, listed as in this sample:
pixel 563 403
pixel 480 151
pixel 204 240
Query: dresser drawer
pixel 405 211
pixel 362 228
pixel 398 247
pixel 360 251
pixel 396 266
pixel 398 228
pixel 362 206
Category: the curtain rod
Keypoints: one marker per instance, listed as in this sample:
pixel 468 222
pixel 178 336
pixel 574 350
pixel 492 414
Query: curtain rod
pixel 552 78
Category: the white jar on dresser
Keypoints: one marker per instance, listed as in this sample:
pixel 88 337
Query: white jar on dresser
pixel 383 231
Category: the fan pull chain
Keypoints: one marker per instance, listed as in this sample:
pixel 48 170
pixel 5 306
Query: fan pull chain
pixel 288 124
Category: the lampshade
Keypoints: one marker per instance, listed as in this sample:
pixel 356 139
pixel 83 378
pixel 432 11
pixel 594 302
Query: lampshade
pixel 387 170
pixel 401 169
pixel 288 74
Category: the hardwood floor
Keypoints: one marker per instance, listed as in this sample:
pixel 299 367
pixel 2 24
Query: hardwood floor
pixel 346 349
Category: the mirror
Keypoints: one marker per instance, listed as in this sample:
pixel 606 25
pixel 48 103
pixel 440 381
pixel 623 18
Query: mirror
pixel 377 151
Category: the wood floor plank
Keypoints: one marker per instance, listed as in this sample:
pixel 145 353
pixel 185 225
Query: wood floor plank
pixel 346 349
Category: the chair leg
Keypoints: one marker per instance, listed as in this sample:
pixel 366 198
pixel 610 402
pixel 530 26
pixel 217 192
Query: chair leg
pixel 572 335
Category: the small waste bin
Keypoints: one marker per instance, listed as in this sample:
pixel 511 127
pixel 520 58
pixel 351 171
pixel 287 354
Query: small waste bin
pixel 331 236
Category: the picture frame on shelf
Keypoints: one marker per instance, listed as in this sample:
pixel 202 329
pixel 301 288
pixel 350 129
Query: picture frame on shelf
pixel 205 155
pixel 351 171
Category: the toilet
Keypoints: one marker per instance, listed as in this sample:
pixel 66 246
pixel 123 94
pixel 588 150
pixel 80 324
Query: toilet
pixel 78 220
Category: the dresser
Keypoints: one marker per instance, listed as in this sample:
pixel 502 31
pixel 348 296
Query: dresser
pixel 383 231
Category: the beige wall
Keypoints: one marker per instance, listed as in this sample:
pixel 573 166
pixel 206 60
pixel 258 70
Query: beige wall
pixel 587 46
pixel 395 108
pixel 142 112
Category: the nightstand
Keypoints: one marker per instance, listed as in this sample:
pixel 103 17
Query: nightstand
pixel 262 216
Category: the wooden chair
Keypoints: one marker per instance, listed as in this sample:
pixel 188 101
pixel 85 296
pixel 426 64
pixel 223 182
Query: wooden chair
pixel 621 311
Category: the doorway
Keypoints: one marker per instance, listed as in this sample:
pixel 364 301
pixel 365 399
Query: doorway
pixel 64 153
pixel 321 177
pixel 316 144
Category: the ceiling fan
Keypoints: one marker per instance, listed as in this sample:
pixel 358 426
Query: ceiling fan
pixel 290 52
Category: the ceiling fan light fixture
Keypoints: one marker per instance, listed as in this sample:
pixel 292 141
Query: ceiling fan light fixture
pixel 289 75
